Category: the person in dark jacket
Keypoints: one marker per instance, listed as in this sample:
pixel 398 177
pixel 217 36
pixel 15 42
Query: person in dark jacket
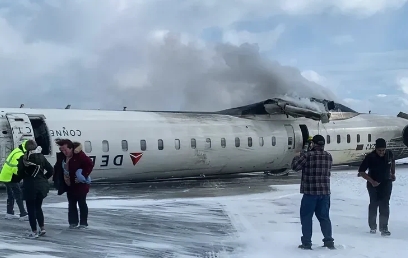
pixel 381 173
pixel 31 168
pixel 71 167
pixel 58 177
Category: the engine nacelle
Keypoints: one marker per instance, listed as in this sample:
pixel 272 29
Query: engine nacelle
pixel 405 135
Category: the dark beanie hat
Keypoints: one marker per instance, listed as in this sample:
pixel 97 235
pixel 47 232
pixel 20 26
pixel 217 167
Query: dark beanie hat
pixel 380 143
pixel 319 140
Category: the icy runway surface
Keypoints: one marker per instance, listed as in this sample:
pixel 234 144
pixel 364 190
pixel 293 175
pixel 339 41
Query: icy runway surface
pixel 252 217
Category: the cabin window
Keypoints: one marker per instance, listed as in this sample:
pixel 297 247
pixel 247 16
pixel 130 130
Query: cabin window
pixel 338 138
pixel 177 144
pixel 274 141
pixel 143 146
pixel 261 141
pixel 223 142
pixel 105 146
pixel 160 144
pixel 125 146
pixel 237 142
pixel 328 139
pixel 208 143
pixel 358 138
pixel 88 147
pixel 193 143
pixel 369 137
pixel 249 141
pixel 348 138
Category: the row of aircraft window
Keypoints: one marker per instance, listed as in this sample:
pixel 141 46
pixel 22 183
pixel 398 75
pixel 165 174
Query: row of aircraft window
pixel 348 138
pixel 193 144
pixel 143 145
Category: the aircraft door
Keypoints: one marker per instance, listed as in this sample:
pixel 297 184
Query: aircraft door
pixel 305 134
pixel 291 136
pixel 21 127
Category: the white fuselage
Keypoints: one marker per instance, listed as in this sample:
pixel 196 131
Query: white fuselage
pixel 169 144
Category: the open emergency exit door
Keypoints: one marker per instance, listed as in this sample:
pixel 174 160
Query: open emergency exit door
pixel 21 127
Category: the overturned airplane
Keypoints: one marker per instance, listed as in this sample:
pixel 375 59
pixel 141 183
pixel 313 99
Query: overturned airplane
pixel 151 145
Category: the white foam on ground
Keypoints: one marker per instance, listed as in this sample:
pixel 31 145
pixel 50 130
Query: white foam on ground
pixel 31 248
pixel 23 251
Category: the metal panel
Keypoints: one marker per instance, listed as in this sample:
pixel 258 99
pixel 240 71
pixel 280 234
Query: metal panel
pixel 291 136
pixel 20 127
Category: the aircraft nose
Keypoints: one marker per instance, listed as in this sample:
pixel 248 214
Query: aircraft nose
pixel 404 117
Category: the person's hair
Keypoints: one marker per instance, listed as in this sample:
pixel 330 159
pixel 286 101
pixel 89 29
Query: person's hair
pixel 30 145
pixel 319 140
pixel 62 142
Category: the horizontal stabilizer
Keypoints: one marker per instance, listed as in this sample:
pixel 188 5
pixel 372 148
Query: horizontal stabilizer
pixel 402 115
pixel 281 106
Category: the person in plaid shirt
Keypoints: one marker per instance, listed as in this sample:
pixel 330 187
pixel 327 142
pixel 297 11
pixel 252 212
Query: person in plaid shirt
pixel 315 165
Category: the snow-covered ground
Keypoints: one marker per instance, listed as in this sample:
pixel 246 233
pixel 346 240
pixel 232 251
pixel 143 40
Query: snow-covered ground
pixel 402 161
pixel 269 223
pixel 262 225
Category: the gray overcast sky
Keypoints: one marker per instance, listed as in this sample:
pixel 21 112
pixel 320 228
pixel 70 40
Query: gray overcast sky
pixel 155 54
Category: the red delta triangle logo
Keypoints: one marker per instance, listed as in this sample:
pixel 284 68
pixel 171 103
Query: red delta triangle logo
pixel 135 157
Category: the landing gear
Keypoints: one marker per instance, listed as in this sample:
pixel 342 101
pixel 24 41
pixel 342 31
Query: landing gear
pixel 277 172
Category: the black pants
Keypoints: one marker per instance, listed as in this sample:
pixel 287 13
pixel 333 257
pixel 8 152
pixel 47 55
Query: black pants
pixel 379 199
pixel 14 194
pixel 73 200
pixel 35 213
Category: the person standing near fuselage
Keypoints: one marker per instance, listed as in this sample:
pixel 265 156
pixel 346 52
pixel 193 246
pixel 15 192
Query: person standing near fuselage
pixel 11 180
pixel 73 168
pixel 315 165
pixel 35 170
pixel 381 173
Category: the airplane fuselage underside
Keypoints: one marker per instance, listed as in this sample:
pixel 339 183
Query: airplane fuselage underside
pixel 130 145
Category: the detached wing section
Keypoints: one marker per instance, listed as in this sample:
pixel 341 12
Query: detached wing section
pixel 315 111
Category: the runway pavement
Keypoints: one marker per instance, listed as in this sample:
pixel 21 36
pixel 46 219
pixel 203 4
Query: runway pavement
pixel 140 220
pixel 181 218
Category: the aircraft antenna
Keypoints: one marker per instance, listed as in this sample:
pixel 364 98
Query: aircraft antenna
pixel 68 106
pixel 124 108
pixel 22 105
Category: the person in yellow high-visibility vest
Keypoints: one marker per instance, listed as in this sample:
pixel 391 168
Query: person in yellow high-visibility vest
pixel 9 177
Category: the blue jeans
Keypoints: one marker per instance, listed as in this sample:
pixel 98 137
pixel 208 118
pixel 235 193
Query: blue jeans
pixel 320 206
pixel 14 194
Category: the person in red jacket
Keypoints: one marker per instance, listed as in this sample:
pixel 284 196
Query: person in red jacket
pixel 69 162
